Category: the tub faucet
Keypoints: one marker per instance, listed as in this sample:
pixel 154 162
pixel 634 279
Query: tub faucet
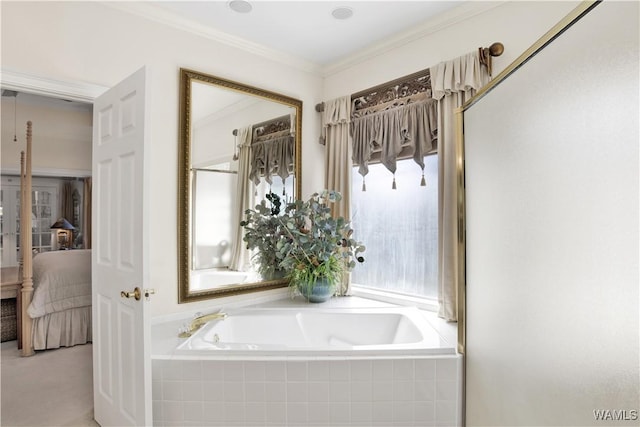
pixel 198 321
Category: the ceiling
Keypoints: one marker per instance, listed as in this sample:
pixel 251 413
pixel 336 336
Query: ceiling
pixel 304 31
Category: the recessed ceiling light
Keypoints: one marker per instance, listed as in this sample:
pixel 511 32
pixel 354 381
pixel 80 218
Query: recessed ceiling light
pixel 240 6
pixel 342 12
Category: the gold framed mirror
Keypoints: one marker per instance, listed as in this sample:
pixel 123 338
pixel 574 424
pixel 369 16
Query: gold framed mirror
pixel 227 163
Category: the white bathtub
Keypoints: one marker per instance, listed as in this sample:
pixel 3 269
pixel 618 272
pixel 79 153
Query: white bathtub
pixel 343 332
pixel 295 364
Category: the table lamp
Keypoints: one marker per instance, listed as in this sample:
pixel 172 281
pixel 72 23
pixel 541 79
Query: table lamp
pixel 64 231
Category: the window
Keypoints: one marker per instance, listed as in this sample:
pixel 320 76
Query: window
pixel 398 227
pixel 44 200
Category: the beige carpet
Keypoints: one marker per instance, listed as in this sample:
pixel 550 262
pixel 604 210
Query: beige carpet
pixel 51 388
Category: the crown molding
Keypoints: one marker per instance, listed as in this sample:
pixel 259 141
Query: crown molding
pixel 40 85
pixel 151 12
pixel 447 19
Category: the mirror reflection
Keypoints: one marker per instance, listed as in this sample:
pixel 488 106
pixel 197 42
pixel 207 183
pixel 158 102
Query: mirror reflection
pixel 238 144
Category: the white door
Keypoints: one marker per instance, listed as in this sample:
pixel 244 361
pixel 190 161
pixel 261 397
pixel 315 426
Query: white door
pixel 121 339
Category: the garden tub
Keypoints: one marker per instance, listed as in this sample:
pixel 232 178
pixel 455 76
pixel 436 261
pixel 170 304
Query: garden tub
pixel 302 365
pixel 342 332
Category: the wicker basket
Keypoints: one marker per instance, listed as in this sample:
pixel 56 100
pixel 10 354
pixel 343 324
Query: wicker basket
pixel 8 321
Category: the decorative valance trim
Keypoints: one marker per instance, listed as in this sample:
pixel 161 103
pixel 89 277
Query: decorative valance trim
pixel 408 129
pixel 270 127
pixel 416 83
pixel 399 119
pixel 272 150
pixel 394 121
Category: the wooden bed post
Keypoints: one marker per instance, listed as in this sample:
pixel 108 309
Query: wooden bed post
pixel 21 204
pixel 27 255
pixel 19 276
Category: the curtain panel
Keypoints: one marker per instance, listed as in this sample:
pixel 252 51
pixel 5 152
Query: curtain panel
pixel 86 213
pixel 453 83
pixel 240 255
pixel 338 152
pixel 338 165
pixel 66 201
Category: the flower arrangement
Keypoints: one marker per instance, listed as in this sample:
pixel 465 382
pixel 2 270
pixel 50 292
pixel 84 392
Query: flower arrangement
pixel 311 246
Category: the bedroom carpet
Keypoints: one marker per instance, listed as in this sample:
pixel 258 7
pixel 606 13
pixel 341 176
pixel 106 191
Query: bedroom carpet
pixel 51 388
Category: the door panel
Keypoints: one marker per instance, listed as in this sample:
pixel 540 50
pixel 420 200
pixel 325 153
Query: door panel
pixel 122 377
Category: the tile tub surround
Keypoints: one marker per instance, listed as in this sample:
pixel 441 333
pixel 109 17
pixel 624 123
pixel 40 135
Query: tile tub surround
pixel 315 391
pixel 369 392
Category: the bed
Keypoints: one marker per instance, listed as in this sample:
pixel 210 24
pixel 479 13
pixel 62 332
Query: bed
pixel 61 304
pixel 56 285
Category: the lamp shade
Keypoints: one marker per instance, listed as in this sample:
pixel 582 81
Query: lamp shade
pixel 63 224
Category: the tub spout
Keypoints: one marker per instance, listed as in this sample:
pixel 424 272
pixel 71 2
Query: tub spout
pixel 199 321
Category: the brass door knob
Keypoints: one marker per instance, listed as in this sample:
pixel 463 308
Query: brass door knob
pixel 135 294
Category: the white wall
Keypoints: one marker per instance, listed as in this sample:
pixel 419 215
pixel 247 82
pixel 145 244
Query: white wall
pixel 92 43
pixel 61 134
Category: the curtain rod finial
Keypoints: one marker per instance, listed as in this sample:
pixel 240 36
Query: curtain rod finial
pixel 496 49
pixel 320 107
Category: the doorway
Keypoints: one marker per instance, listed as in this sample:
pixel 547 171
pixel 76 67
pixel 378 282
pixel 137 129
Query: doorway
pixel 117 157
pixel 62 159
pixel 62 154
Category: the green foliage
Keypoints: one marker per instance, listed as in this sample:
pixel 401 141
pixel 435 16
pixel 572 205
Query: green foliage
pixel 262 232
pixel 305 240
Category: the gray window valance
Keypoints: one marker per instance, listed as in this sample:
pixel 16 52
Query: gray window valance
pixel 272 150
pixel 403 128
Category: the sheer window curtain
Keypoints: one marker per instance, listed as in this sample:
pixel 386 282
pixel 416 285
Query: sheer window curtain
pixel 240 255
pixel 338 163
pixel 453 83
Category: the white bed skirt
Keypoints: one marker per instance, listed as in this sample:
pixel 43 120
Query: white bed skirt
pixel 62 329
